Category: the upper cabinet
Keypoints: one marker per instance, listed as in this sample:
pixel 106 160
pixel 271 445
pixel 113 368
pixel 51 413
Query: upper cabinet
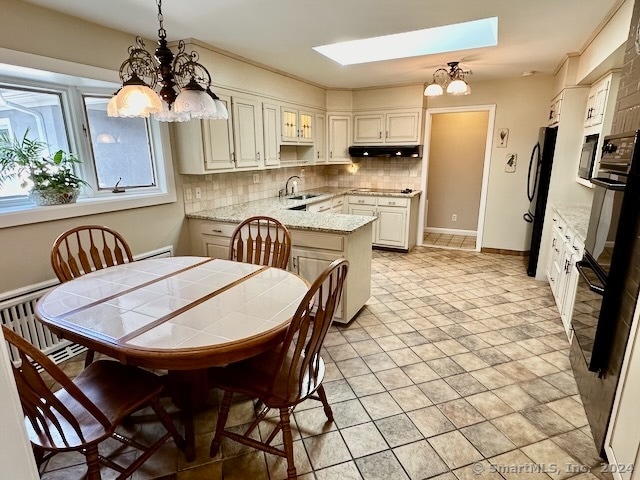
pixel 554 109
pixel 297 126
pixel 209 146
pixel 271 132
pixel 599 107
pixel 390 127
pixel 339 138
pixel 320 140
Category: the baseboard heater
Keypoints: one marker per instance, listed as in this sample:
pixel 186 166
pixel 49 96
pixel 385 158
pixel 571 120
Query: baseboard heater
pixel 17 312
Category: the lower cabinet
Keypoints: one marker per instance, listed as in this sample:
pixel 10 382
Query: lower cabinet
pixel 567 249
pixel 397 219
pixel 311 253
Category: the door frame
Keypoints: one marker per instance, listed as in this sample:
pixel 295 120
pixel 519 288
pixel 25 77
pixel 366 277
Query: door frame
pixel 491 109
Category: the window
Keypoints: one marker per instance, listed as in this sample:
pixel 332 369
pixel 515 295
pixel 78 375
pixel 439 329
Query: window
pixel 69 113
pixel 121 147
pixel 38 112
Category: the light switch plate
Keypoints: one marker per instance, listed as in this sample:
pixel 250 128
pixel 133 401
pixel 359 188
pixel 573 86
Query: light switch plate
pixel 256 178
pixel 198 193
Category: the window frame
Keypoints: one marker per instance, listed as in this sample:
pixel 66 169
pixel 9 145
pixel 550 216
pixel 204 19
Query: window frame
pixel 16 211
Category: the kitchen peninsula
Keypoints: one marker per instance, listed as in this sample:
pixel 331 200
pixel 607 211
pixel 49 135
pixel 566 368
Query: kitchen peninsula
pixel 320 234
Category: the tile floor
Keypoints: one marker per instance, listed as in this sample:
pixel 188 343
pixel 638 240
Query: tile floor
pixel 441 240
pixel 456 369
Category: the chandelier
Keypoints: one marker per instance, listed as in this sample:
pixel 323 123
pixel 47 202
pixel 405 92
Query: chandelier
pixel 452 80
pixel 184 84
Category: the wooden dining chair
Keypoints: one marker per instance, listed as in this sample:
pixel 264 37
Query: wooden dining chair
pixel 262 241
pixel 85 411
pixel 291 373
pixel 87 248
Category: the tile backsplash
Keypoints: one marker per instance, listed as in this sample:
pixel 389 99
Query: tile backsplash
pixel 224 189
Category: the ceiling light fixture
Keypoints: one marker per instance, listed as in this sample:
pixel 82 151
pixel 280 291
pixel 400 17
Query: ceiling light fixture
pixel 185 84
pixel 452 80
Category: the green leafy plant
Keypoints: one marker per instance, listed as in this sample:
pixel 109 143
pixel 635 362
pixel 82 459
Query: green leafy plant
pixel 23 156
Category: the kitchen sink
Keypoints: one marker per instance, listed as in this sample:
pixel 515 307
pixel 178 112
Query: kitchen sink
pixel 304 196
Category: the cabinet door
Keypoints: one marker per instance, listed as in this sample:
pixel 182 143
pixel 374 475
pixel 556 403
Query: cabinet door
pixel 368 129
pixel 309 264
pixel 369 211
pixel 600 102
pixel 402 127
pixel 204 146
pixel 247 133
pixel 320 139
pixel 339 138
pixel 392 226
pixel 271 130
pixel 289 125
pixel 216 246
pixel 306 130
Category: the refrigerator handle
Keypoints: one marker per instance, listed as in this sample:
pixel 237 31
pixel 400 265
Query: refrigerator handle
pixel 594 288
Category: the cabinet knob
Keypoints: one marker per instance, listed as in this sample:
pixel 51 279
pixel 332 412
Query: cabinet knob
pixel 360 201
pixel 258 157
pixel 380 135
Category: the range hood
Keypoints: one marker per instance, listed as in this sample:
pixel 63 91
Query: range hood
pixel 414 151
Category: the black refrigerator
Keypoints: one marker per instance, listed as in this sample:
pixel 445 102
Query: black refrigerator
pixel 538 179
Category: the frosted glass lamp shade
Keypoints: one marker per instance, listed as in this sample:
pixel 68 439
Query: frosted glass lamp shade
pixel 136 101
pixel 458 87
pixel 169 115
pixel 221 108
pixel 433 90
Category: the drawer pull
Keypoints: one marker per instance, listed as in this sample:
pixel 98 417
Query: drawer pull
pixel 216 231
pixel 360 201
pixel 576 249
pixel 567 237
pixel 392 203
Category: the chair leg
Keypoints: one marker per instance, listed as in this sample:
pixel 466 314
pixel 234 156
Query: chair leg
pixel 166 421
pixel 93 463
pixel 325 403
pixel 222 420
pixel 287 439
pixel 88 359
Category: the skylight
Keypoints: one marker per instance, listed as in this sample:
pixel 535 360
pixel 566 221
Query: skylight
pixel 447 38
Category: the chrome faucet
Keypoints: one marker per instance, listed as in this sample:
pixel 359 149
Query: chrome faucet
pixel 286 185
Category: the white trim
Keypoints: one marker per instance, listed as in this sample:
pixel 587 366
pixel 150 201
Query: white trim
pixel 631 349
pixel 485 171
pixel 451 231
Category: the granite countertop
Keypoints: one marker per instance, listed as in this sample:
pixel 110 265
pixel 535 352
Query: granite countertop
pixel 576 217
pixel 279 208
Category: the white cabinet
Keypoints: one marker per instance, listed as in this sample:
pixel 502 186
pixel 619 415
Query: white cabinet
pixel 332 205
pixel 247 133
pixel 297 126
pixel 339 138
pixel 320 140
pixel 209 146
pixel 271 132
pixel 555 108
pixel 394 127
pixel 311 253
pixel 205 146
pixel 396 224
pixel 567 249
pixel 597 102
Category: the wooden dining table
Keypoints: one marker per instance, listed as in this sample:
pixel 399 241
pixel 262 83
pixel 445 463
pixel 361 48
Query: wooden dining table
pixel 180 314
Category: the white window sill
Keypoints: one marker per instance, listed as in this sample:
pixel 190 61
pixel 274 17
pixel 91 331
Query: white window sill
pixel 85 206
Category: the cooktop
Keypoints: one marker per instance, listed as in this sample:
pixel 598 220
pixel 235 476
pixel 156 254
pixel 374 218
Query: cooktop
pixel 384 190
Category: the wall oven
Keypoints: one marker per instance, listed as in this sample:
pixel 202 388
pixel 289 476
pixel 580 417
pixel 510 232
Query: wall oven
pixel 607 248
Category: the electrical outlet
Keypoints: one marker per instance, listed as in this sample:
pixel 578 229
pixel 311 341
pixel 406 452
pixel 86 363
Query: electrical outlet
pixel 198 193
pixel 188 194
pixel 256 178
pixel 454 217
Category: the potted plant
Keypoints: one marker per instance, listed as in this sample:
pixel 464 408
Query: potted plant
pixel 54 180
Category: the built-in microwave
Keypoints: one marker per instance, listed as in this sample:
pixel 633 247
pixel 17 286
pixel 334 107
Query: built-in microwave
pixel 588 156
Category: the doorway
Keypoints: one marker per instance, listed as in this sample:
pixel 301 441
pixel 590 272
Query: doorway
pixel 455 176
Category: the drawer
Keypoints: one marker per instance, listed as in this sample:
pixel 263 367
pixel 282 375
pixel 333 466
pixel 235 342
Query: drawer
pixel 218 228
pixel 393 202
pixel 319 207
pixel 361 200
pixel 578 247
pixel 301 238
pixel 568 236
pixel 337 201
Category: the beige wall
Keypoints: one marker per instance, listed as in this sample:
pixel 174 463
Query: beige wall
pixel 25 249
pixel 522 107
pixel 456 159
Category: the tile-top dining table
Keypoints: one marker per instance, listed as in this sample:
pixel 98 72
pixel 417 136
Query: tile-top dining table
pixel 180 314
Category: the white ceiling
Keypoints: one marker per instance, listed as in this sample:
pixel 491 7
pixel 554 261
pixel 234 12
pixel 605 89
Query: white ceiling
pixel 532 34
